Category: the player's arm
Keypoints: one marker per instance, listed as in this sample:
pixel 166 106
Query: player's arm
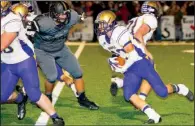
pixel 11 30
pixel 143 30
pixel 139 35
pixel 128 47
pixel 149 22
pixel 7 38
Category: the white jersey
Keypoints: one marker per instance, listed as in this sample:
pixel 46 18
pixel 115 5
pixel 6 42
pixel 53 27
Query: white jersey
pixel 18 50
pixel 135 23
pixel 119 39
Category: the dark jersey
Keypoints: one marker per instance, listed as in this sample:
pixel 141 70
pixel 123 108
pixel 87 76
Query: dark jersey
pixel 51 37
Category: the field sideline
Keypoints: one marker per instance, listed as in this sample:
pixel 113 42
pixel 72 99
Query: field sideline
pixel 173 64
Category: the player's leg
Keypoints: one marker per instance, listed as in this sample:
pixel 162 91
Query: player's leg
pixel 48 66
pixel 69 62
pixel 117 82
pixel 8 83
pixel 145 89
pixel 132 84
pixel 163 90
pixel 29 75
pixel 65 77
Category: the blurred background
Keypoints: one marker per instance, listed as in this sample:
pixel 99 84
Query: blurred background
pixel 176 22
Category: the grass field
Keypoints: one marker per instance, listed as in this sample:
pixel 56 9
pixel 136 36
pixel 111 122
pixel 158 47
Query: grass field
pixel 173 65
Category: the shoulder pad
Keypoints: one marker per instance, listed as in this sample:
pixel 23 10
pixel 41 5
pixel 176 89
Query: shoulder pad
pixel 44 23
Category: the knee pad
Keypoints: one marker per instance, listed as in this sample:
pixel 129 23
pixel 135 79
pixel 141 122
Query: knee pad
pixel 126 100
pixel 77 75
pixel 34 94
pixel 163 92
pixel 127 95
pixel 52 78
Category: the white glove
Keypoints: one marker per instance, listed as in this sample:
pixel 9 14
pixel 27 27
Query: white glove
pixel 83 16
pixel 114 65
pixel 112 62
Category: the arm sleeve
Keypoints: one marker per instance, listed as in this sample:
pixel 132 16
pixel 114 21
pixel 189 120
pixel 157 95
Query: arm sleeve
pixel 43 23
pixel 124 38
pixel 151 21
pixel 74 18
pixel 13 26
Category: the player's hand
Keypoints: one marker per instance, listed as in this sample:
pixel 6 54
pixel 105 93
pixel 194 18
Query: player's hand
pixel 113 62
pixel 114 65
pixel 83 16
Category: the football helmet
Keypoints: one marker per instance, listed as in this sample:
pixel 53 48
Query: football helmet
pixel 60 8
pixel 5 8
pixel 20 9
pixel 105 21
pixel 150 7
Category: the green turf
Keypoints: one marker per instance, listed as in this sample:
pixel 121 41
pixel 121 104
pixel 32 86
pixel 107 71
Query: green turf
pixel 172 65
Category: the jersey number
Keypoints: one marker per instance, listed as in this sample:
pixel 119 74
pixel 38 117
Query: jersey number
pixel 8 50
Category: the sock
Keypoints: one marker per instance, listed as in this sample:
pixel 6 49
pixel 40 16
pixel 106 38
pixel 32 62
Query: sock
pixel 175 88
pixel 151 113
pixel 55 115
pixel 182 89
pixel 48 94
pixel 72 86
pixel 81 96
pixel 118 81
pixel 143 96
pixel 19 98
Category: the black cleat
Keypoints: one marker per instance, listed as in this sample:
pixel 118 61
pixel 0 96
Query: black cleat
pixel 84 102
pixel 190 96
pixel 113 89
pixel 22 105
pixel 58 121
pixel 151 121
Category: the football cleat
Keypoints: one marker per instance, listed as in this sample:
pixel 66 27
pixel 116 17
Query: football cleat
pixel 84 102
pixel 113 89
pixel 190 96
pixel 58 121
pixel 22 105
pixel 151 121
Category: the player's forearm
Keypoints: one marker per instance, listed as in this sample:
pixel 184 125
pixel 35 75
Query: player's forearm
pixel 131 56
pixel 140 39
pixel 7 39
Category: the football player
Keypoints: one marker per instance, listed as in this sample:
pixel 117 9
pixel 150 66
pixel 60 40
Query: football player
pixel 18 62
pixel 142 28
pixel 51 33
pixel 118 40
pixel 63 75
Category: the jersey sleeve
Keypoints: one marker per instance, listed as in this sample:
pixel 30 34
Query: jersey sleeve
pixel 43 23
pixel 74 18
pixel 13 25
pixel 123 38
pixel 151 21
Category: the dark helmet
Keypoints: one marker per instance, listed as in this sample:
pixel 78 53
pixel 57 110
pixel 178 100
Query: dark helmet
pixel 57 8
